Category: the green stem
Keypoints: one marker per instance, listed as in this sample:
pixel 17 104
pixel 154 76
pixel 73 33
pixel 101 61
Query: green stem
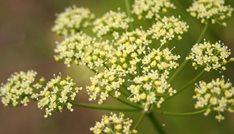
pixel 180 114
pixel 178 71
pixel 155 122
pixel 127 5
pixel 106 107
pixel 186 85
pixel 140 119
pixel 128 9
pixel 202 34
pixel 125 102
pixel 186 61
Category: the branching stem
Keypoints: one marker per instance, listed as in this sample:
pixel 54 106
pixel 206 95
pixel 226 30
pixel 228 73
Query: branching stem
pixel 140 119
pixel 106 107
pixel 155 122
pixel 180 114
pixel 181 67
pixel 186 85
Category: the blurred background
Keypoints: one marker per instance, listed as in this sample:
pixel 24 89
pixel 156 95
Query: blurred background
pixel 26 42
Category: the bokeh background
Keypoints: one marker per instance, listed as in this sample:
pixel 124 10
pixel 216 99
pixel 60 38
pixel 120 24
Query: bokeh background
pixel 26 42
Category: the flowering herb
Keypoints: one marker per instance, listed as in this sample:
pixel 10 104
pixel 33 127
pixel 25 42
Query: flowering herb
pixel 132 63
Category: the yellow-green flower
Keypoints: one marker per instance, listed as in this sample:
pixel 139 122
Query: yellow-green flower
pixel 211 56
pixel 114 124
pixel 110 22
pixel 168 28
pixel 19 89
pixel 81 49
pixel 148 9
pixel 215 96
pixel 57 95
pixel 72 20
pixel 214 11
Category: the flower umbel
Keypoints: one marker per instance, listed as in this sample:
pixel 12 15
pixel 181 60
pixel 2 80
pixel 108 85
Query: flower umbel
pixel 111 22
pixel 115 123
pixel 167 29
pixel 147 9
pixel 81 49
pixel 19 89
pixel 214 11
pixel 150 89
pixel 72 20
pixel 216 96
pixel 210 56
pixel 104 83
pixel 57 95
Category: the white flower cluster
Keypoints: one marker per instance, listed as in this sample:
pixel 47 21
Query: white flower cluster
pixel 151 8
pixel 19 89
pixel 57 95
pixel 110 22
pixel 130 46
pixel 133 59
pixel 217 96
pixel 72 20
pixel 83 50
pixel 103 83
pixel 159 60
pixel 114 124
pixel 208 55
pixel 150 89
pixel 214 11
pixel 167 29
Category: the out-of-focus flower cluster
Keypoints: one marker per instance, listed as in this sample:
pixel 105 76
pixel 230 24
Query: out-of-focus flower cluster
pixel 104 83
pixel 72 20
pixel 150 89
pixel 20 89
pixel 57 95
pixel 81 49
pixel 110 22
pixel 23 87
pixel 114 123
pixel 168 28
pixel 214 11
pixel 210 56
pixel 148 9
pixel 215 96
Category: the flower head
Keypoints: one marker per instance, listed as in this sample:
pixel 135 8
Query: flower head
pixel 210 56
pixel 150 89
pixel 110 22
pixel 72 20
pixel 214 11
pixel 130 46
pixel 115 123
pixel 104 83
pixel 83 50
pixel 19 89
pixel 57 95
pixel 216 96
pixel 167 29
pixel 151 8
pixel 159 60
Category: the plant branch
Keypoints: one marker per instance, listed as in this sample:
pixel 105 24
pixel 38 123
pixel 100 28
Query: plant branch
pixel 180 114
pixel 127 5
pixel 140 119
pixel 186 85
pixel 155 122
pixel 202 34
pixel 106 107
pixel 181 67
pixel 125 102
